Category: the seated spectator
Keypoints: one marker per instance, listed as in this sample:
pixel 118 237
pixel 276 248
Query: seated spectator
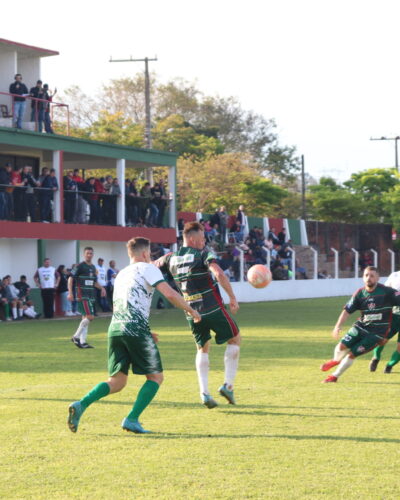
pixel 282 236
pixel 12 296
pixel 27 303
pixel 301 273
pixel 286 256
pixel 4 305
pixel 278 270
pixel 273 237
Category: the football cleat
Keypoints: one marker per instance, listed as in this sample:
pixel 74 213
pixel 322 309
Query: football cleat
pixel 75 412
pixel 328 365
pixel 208 401
pixel 133 426
pixel 77 342
pixel 227 394
pixel 388 369
pixel 373 365
pixel 330 378
pixel 86 346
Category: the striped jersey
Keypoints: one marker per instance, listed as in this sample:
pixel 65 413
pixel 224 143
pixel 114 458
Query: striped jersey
pixel 85 277
pixel 375 307
pixel 189 268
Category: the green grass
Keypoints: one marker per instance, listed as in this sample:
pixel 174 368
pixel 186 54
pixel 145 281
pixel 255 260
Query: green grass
pixel 289 436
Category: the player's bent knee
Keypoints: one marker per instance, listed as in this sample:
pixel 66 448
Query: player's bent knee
pixel 235 340
pixel 156 377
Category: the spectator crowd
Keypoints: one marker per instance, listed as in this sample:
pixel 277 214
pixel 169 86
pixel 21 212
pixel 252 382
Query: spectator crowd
pixel 40 97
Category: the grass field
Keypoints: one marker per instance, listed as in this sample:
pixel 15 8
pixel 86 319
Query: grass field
pixel 289 436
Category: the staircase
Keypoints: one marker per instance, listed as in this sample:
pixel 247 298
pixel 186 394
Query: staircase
pixel 305 258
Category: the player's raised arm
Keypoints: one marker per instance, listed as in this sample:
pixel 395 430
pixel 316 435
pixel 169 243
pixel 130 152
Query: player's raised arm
pixel 177 300
pixel 222 279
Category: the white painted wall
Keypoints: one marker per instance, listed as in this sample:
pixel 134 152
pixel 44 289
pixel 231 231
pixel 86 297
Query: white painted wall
pixel 18 257
pixel 61 252
pixel 8 68
pixel 299 289
pixel 107 250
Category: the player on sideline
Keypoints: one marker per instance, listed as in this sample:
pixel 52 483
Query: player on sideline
pixel 130 341
pixel 192 268
pixel 375 301
pixel 86 280
pixel 394 282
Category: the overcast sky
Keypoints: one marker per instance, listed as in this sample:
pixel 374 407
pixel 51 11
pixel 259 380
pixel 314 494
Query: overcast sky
pixel 326 71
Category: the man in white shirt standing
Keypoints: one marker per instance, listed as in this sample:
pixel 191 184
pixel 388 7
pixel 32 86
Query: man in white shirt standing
pixel 47 279
pixel 102 281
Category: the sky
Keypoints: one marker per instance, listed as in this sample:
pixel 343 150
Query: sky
pixel 327 72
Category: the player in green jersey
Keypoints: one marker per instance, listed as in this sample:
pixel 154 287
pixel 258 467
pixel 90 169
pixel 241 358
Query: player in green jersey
pixel 130 341
pixel 394 282
pixel 85 277
pixel 375 301
pixel 193 269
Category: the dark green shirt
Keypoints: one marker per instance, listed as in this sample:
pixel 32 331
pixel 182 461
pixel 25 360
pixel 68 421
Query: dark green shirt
pixel 190 270
pixel 85 277
pixel 375 307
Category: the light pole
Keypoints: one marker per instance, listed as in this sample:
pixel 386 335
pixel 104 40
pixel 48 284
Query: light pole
pixel 396 153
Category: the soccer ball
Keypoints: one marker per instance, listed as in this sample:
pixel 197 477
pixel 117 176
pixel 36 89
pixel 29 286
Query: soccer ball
pixel 259 276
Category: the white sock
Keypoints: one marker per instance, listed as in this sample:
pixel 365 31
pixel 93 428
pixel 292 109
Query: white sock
pixel 339 354
pixel 14 312
pixel 202 367
pixel 30 312
pixel 20 312
pixel 344 365
pixel 231 360
pixel 81 332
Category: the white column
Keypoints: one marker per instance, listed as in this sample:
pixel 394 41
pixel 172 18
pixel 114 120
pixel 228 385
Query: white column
pixel 391 260
pixel 268 252
pixel 355 262
pixel 293 262
pixel 336 253
pixel 375 254
pixel 315 262
pixel 59 194
pixel 172 196
pixel 121 200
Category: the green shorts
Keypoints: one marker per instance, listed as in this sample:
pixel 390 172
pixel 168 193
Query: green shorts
pixel 360 342
pixel 395 327
pixel 220 322
pixel 86 307
pixel 140 351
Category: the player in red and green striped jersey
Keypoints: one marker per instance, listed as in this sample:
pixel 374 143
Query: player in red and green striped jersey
pixel 375 301
pixel 196 272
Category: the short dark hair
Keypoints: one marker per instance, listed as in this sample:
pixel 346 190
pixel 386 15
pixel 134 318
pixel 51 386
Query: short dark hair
pixel 22 277
pixel 136 245
pixel 371 268
pixel 192 227
pixel 88 248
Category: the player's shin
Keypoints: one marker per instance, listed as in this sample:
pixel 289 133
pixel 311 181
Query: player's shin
pixel 231 360
pixel 344 365
pixel 81 332
pixel 99 391
pixel 377 352
pixel 394 359
pixel 202 368
pixel 146 394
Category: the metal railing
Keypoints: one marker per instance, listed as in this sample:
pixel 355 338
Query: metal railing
pixel 50 103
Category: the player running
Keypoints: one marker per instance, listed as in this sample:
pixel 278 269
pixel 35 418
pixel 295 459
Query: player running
pixel 85 277
pixel 375 301
pixel 394 282
pixel 193 269
pixel 130 341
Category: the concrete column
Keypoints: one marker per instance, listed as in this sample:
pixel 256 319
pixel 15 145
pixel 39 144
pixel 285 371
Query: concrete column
pixel 58 198
pixel 121 200
pixel 172 196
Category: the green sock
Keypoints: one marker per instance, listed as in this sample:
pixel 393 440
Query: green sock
pixel 146 394
pixel 394 359
pixel 98 392
pixel 378 351
pixel 7 310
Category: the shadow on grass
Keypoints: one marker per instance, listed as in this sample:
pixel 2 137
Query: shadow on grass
pixel 169 435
